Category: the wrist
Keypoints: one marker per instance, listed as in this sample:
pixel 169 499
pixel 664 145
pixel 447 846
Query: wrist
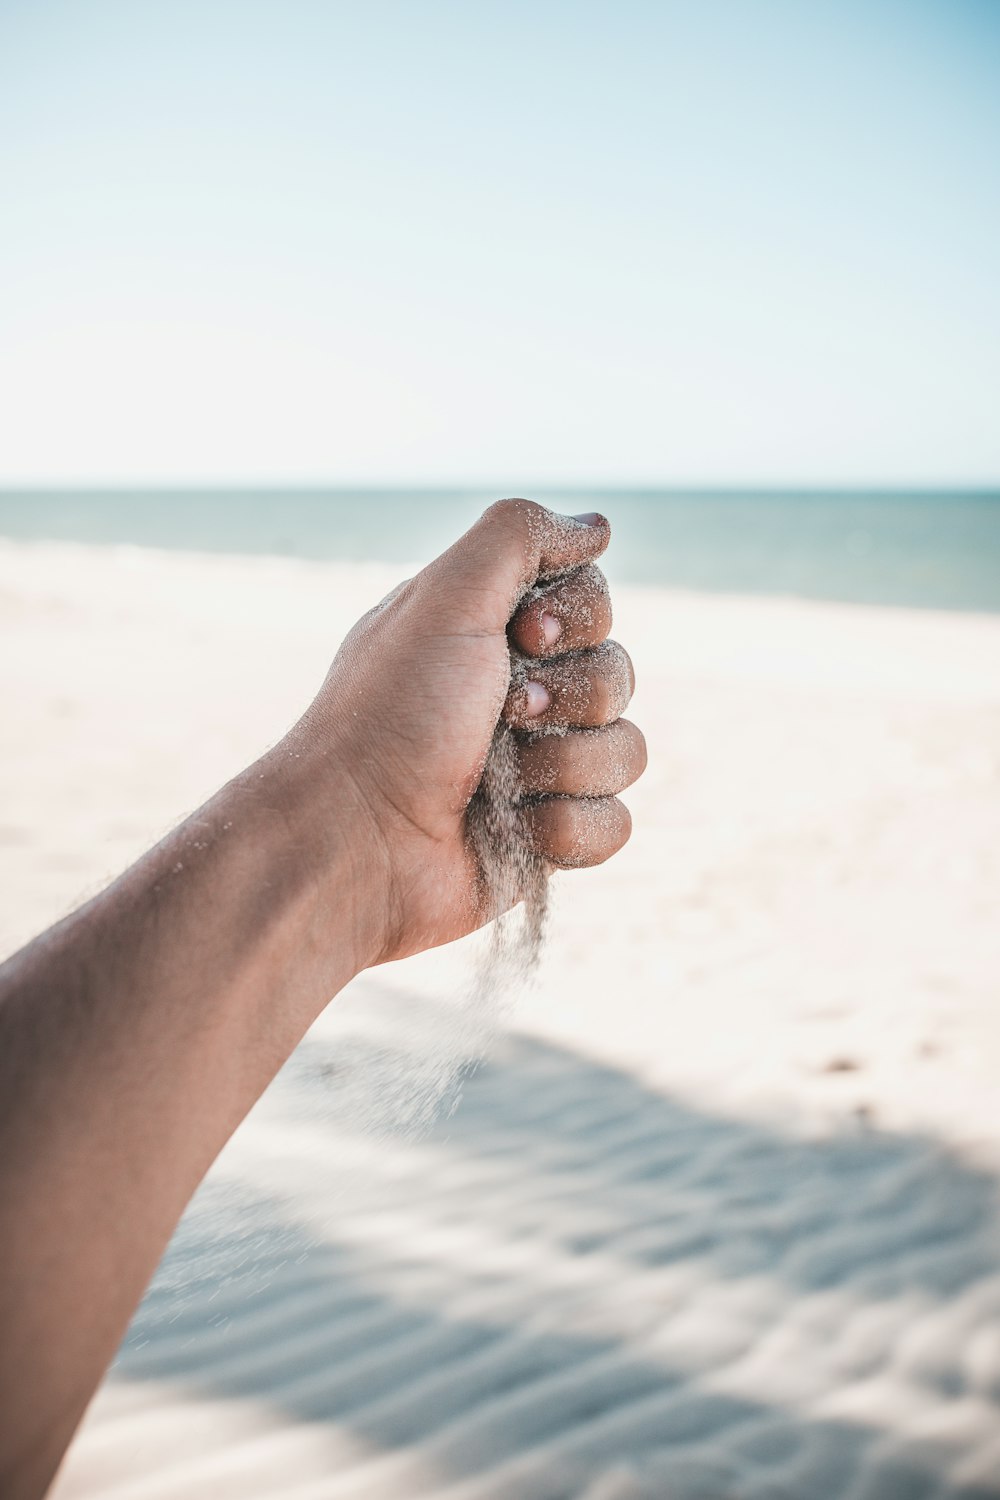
pixel 331 850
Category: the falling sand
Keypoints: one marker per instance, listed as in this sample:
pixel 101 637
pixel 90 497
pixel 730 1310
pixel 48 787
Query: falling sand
pixel 396 1071
pixel 403 1081
pixel 414 1087
pixel 515 879
pixel 510 871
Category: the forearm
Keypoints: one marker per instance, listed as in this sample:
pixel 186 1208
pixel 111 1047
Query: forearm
pixel 133 1039
pixel 135 1036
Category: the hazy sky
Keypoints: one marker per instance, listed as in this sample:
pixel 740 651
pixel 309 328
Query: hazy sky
pixel 511 241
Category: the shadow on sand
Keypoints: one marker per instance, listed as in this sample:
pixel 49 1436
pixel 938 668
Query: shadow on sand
pixel 579 1287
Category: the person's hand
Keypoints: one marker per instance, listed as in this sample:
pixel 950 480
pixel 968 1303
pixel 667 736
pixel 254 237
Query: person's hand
pixel 136 1034
pixel 408 710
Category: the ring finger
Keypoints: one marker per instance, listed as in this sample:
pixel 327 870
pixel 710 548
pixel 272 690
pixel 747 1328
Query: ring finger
pixel 583 762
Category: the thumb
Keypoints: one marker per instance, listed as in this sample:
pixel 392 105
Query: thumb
pixel 480 579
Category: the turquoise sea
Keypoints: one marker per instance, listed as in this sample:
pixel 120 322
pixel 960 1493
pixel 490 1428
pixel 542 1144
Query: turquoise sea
pixel 925 549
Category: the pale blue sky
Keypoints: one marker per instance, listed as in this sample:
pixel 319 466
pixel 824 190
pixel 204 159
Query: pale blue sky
pixel 515 243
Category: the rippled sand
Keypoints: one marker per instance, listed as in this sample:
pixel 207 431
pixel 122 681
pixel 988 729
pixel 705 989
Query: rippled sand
pixel 720 1216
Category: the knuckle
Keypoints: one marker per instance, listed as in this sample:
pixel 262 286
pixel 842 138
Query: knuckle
pixel 636 743
pixel 606 829
pixel 498 509
pixel 602 614
pixel 519 524
pixel 513 511
pixel 583 598
pixel 642 751
pixel 624 661
pixel 621 674
pixel 631 674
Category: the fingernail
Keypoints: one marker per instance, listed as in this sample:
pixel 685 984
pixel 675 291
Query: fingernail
pixel 551 629
pixel 536 699
pixel 589 518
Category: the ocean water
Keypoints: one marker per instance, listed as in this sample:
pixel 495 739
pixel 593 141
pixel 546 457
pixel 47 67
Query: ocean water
pixel 929 550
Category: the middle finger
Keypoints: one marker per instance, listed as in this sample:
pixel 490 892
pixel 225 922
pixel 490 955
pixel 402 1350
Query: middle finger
pixel 583 689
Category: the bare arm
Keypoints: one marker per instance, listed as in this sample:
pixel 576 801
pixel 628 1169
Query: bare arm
pixel 135 1035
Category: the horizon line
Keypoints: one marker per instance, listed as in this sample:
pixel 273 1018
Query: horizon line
pixel 451 488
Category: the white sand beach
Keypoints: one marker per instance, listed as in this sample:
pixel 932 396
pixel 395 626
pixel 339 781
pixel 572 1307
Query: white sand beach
pixel 719 1219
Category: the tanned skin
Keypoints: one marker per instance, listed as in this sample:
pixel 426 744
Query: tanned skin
pixel 137 1033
